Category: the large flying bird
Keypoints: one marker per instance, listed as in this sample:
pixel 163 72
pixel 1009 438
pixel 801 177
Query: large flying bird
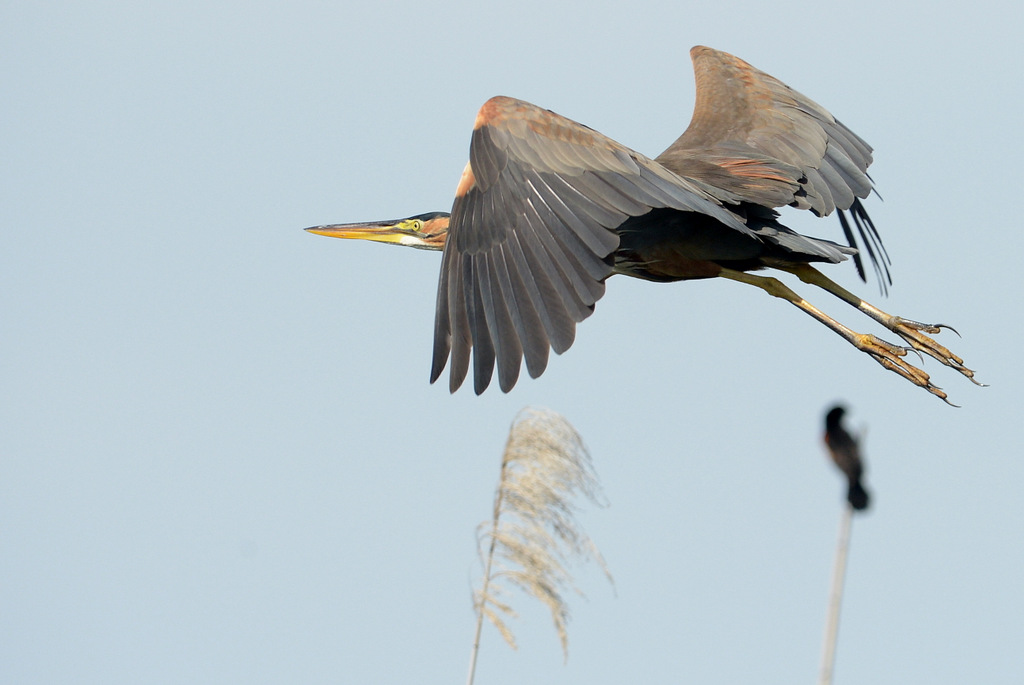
pixel 547 209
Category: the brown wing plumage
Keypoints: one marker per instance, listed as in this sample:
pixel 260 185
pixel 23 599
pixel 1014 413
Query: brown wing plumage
pixel 532 236
pixel 753 138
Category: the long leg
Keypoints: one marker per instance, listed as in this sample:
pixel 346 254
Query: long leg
pixel 911 331
pixel 888 355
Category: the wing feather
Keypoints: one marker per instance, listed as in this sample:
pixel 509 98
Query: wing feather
pixel 508 349
pixel 460 322
pixel 742 112
pixel 556 266
pixel 568 238
pixel 559 245
pixel 532 237
pixel 481 322
pixel 559 198
pixel 524 300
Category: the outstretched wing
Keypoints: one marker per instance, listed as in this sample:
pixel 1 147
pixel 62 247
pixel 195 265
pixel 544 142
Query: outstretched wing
pixel 755 139
pixel 532 237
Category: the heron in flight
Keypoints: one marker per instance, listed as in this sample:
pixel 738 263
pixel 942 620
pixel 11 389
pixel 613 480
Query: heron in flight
pixel 547 209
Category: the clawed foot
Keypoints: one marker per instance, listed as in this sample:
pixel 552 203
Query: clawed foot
pixel 892 357
pixel 914 333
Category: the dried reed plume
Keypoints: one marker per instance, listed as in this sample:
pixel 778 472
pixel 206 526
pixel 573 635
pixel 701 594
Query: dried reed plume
pixel 534 534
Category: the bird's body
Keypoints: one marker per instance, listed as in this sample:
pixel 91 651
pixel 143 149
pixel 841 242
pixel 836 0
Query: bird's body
pixel 547 209
pixel 667 245
pixel 845 452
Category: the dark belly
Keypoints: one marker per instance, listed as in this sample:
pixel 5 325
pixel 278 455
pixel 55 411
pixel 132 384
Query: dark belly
pixel 669 245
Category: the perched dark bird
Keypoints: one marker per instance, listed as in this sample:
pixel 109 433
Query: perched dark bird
pixel 845 452
pixel 547 209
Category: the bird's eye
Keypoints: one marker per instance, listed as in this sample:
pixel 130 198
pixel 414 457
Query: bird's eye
pixel 416 225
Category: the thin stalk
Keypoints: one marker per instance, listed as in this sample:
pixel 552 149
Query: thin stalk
pixel 487 574
pixel 828 655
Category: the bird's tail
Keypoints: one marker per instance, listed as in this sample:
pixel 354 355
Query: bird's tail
pixel 858 496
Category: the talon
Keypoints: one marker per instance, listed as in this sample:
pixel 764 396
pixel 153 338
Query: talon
pixel 918 353
pixel 891 357
pixel 899 322
pixel 913 333
pixel 933 328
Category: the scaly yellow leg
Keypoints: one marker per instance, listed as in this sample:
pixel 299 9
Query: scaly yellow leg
pixel 911 331
pixel 888 355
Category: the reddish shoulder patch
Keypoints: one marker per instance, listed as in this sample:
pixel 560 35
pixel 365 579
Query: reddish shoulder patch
pixel 493 111
pixel 498 109
pixel 699 50
pixel 467 181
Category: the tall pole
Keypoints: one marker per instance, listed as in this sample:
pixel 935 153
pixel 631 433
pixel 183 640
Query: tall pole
pixel 828 655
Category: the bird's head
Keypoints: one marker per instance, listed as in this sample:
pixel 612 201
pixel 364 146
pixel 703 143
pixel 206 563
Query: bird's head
pixel 423 231
pixel 834 417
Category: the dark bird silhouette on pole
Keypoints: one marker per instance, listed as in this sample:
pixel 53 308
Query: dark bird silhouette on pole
pixel 548 209
pixel 845 452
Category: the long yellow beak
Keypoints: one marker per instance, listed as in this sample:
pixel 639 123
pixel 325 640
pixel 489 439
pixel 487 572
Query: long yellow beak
pixel 378 231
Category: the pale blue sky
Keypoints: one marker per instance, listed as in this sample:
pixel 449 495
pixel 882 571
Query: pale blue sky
pixel 220 458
